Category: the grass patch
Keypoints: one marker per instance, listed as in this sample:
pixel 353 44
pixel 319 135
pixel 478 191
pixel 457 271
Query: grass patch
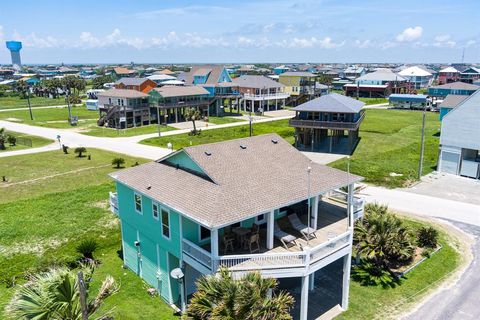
pixel 52 118
pixel 49 172
pixel 379 303
pixel 94 130
pixel 69 208
pixel 223 120
pixel 12 102
pixel 390 143
pixel 215 135
pixel 35 140
pixel 369 101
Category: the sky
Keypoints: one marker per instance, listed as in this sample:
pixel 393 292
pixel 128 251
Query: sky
pixel 147 31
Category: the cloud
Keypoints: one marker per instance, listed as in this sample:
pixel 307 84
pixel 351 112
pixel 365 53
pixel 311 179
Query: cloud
pixel 364 44
pixel 388 45
pixel 32 40
pixel 325 43
pixel 470 43
pixel 444 41
pixel 410 34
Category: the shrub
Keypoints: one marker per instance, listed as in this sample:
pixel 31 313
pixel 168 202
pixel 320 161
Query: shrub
pixel 80 151
pixel 12 140
pixel 427 237
pixel 87 248
pixel 369 274
pixel 118 162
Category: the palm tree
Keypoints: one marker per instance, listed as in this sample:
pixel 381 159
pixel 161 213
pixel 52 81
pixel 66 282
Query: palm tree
pixel 80 151
pixel 55 294
pixel 222 297
pixel 193 114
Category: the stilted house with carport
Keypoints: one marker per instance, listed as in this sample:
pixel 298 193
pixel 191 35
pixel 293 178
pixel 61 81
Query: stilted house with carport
pixel 192 210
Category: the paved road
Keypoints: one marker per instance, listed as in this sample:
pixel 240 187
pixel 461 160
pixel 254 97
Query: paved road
pixel 459 302
pixel 424 205
pixel 35 108
pixel 50 147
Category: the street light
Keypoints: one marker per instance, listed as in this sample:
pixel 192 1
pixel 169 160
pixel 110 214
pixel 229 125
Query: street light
pixel 178 275
pixel 422 143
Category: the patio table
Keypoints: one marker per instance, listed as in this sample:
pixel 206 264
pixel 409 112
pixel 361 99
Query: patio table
pixel 242 233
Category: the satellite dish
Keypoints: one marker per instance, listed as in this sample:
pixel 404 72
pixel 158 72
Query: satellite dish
pixel 177 274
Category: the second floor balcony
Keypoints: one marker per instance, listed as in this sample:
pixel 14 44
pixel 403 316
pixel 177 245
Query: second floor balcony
pixel 338 124
pixel 241 250
pixel 266 96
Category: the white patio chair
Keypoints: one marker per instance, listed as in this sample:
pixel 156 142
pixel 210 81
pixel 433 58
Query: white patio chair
pixel 283 237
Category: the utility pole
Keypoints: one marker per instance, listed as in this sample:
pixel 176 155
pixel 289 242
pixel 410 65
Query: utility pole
pixel 29 105
pixel 422 144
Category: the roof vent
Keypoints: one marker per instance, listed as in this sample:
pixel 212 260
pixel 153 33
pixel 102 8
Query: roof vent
pixel 149 187
pixel 208 153
pixel 274 141
pixel 243 146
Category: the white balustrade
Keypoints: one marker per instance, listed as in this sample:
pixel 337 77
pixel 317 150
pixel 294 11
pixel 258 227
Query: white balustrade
pixel 196 252
pixel 263 261
pixel 321 251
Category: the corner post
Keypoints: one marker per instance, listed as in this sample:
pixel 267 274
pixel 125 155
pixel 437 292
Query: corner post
pixel 214 248
pixel 351 188
pixel 346 280
pixel 270 228
pixel 304 298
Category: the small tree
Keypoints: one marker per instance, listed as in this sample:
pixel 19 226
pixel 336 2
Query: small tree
pixel 12 140
pixel 193 115
pixel 118 162
pixel 80 151
pixel 86 248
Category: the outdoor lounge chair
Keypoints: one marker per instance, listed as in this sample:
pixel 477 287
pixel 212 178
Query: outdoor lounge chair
pixel 284 237
pixel 300 227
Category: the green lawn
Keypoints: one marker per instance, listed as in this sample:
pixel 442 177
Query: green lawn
pixel 368 302
pixel 223 120
pixel 35 140
pixel 215 135
pixel 369 101
pixel 68 197
pixel 16 102
pixel 52 118
pixel 390 145
pixel 94 130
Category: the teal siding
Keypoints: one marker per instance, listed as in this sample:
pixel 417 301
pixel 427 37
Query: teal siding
pixel 443 112
pixel 149 260
pixel 184 160
pixel 191 232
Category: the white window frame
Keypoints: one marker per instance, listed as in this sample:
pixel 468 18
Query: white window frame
pixel 169 223
pixel 154 204
pixel 135 195
pixel 200 233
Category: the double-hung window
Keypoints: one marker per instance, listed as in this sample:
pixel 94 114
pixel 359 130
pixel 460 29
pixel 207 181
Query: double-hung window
pixel 138 202
pixel 165 223
pixel 155 211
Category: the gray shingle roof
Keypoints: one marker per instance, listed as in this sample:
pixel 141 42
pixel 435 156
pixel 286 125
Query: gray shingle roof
pixel 265 174
pixel 131 81
pixel 298 74
pixel 122 93
pixel 332 102
pixel 214 70
pixel 180 91
pixel 457 85
pixel 381 75
pixel 452 100
pixel 258 82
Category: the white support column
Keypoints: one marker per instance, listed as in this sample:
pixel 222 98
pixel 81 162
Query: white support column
pixel 270 224
pixel 314 222
pixel 176 115
pixel 276 104
pixel 304 298
pixel 347 261
pixel 214 242
pixel 245 105
pixel 311 284
pixel 351 188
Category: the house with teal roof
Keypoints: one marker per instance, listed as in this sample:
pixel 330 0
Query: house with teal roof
pixel 276 212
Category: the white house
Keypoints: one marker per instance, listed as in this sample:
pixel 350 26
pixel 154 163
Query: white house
pixel 418 77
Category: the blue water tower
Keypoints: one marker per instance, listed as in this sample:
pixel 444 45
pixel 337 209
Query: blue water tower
pixel 15 47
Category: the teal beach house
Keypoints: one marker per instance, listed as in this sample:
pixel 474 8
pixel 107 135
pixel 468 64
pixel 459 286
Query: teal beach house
pixel 247 204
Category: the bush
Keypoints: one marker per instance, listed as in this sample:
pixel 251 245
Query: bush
pixel 369 274
pixel 80 151
pixel 12 140
pixel 87 248
pixel 118 162
pixel 427 237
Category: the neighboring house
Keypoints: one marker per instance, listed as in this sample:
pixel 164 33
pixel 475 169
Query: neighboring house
pixel 339 83
pixel 458 88
pixel 121 72
pixel 417 77
pixel 6 74
pixel 216 80
pixel 354 72
pixel 448 75
pixel 460 139
pixel 280 69
pixel 297 83
pixel 165 71
pixel 123 108
pixel 159 79
pixel 171 102
pixel 329 123
pixel 450 102
pixel 182 210
pixel 378 84
pixel 470 74
pixel 92 99
pixel 409 101
pixel 323 89
pixel 260 93
pixel 144 85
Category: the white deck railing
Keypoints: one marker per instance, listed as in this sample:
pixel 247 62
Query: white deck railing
pixel 321 251
pixel 358 202
pixel 197 253
pixel 113 200
pixel 267 96
pixel 247 262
